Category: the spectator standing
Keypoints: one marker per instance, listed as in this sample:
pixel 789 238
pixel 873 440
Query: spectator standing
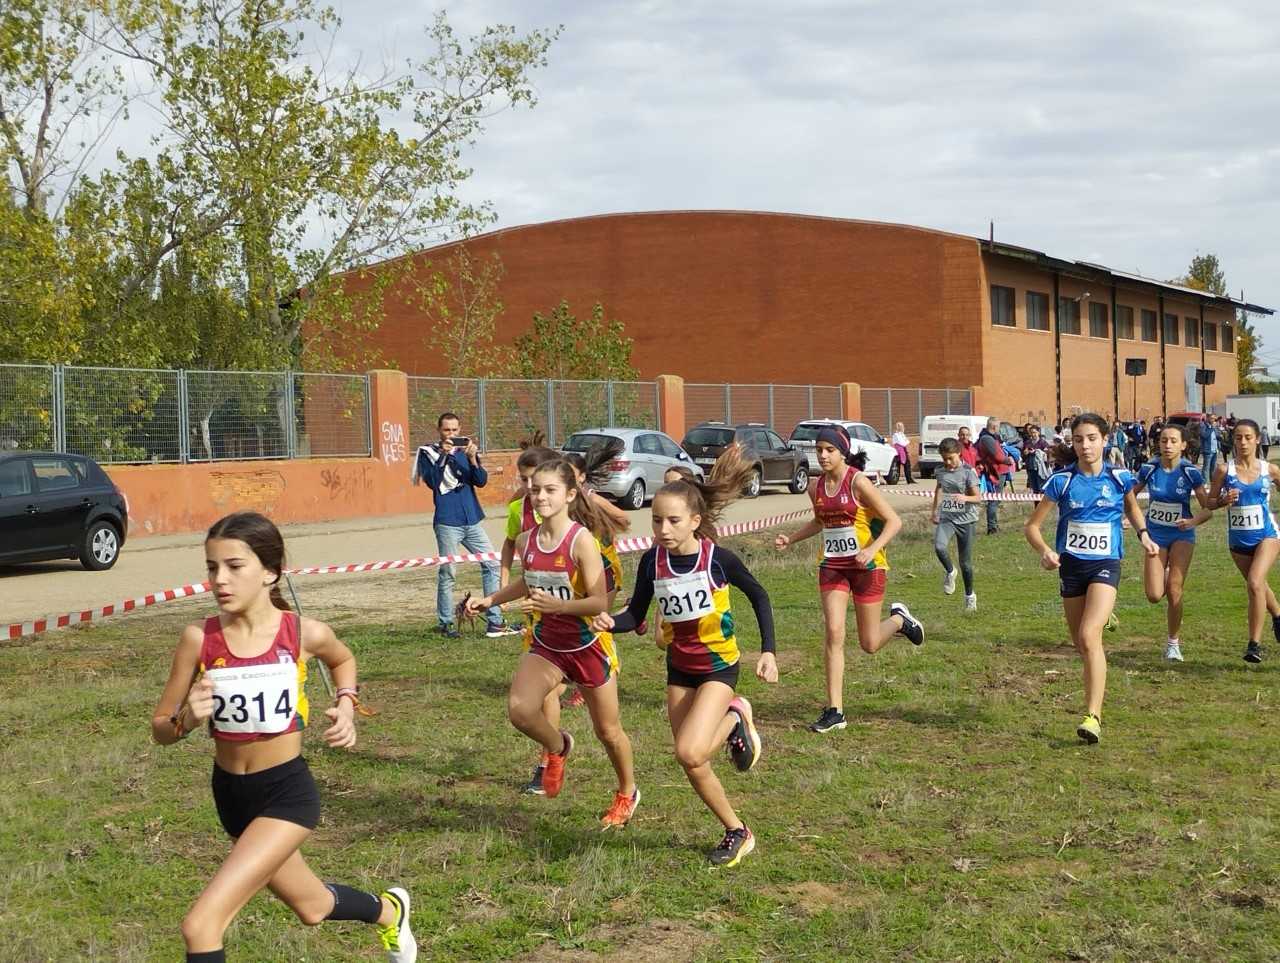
pixel 1035 454
pixel 453 473
pixel 902 446
pixel 968 450
pixel 993 462
pixel 1117 445
pixel 1209 445
pixel 1264 442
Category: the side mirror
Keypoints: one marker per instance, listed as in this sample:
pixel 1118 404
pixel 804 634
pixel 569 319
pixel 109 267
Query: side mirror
pixel 684 455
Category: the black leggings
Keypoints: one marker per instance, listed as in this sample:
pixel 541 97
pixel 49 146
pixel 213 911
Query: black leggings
pixel 964 542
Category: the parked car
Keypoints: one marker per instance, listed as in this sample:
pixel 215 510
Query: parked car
pixel 637 473
pixel 59 506
pixel 882 458
pixel 776 462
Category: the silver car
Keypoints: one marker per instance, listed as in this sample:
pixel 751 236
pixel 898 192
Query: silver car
pixel 636 474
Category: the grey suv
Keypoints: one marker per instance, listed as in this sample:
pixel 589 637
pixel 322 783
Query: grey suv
pixel 776 461
pixel 637 473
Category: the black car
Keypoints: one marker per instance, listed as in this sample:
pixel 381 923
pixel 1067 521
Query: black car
pixel 59 506
pixel 776 461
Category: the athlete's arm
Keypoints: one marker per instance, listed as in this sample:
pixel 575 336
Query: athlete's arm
pixel 736 574
pixel 807 530
pixel 1035 538
pixel 504 566
pixel 1216 498
pixel 318 640
pixel 509 592
pixel 870 496
pixel 641 598
pixel 937 497
pixel 1138 521
pixel 1202 516
pixel 190 704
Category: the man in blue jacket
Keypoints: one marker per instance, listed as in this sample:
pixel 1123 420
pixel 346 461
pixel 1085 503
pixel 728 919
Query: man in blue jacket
pixel 1208 445
pixel 454 473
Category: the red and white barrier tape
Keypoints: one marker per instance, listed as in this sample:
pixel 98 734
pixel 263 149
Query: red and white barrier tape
pixel 18 630
pixel 996 496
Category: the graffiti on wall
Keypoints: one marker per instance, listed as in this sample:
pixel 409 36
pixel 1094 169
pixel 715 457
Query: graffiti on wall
pixel 393 445
pixel 347 484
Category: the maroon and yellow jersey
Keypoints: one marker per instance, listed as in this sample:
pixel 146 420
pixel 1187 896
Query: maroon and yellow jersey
pixel 847 526
pixel 260 696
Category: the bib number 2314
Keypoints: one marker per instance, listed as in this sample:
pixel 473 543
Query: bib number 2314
pixel 254 698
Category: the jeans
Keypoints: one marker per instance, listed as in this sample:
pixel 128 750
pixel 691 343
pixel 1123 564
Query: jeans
pixel 963 533
pixel 1210 460
pixel 470 538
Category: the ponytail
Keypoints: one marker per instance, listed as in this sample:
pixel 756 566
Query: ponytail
pixel 708 499
pixel 583 509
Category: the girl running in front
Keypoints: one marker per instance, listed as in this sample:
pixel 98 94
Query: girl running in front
pixel 955 512
pixel 1092 497
pixel 1171 480
pixel 563 587
pixel 856 524
pixel 242 671
pixel 591 470
pixel 690 577
pixel 1243 485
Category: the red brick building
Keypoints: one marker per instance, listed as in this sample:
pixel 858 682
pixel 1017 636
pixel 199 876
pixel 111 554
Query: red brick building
pixel 720 296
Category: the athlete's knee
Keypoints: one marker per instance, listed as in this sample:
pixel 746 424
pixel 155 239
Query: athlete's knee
pixel 198 929
pixel 866 644
pixel 690 754
pixel 313 914
pixel 523 709
pixel 1154 595
pixel 1257 583
pixel 609 733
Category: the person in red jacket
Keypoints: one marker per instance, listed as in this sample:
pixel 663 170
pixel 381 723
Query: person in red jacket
pixel 993 462
pixel 968 450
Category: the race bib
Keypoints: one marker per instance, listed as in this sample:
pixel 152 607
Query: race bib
pixel 254 698
pixel 553 583
pixel 953 505
pixel 1245 518
pixel 1164 513
pixel 684 598
pixel 840 543
pixel 1089 539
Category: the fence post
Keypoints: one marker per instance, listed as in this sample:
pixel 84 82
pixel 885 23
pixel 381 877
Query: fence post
pixel 919 408
pixel 551 413
pixel 368 410
pixel 771 406
pixel 481 415
pixel 888 409
pixel 608 402
pixel 811 402
pixel 59 410
pixel 291 421
pixel 728 404
pixel 184 419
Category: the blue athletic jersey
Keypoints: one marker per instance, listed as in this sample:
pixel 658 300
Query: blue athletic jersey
pixel 1170 492
pixel 1249 520
pixel 1090 509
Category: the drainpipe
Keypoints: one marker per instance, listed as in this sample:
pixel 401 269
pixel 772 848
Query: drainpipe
pixel 1057 350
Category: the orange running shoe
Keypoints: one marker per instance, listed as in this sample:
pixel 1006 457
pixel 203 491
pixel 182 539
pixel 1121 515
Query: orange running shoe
pixel 575 699
pixel 553 775
pixel 623 808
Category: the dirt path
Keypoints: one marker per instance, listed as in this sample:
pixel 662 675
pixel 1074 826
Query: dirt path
pixel 159 562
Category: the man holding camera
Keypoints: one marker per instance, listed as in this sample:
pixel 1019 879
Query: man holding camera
pixel 452 469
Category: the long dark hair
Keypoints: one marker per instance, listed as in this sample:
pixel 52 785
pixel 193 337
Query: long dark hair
pixel 594 465
pixel 534 451
pixel 264 540
pixel 1063 454
pixel 582 509
pixel 729 476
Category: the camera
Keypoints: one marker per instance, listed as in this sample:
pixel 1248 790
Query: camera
pixel 460 441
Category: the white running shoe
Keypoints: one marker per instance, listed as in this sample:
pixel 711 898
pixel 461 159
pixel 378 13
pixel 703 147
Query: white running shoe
pixel 971 603
pixel 949 583
pixel 397 938
pixel 1173 651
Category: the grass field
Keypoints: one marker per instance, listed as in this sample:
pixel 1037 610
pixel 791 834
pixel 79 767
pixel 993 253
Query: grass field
pixel 957 818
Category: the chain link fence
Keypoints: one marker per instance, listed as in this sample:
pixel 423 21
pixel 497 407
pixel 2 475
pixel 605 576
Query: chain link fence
pixel 882 408
pixel 28 407
pixel 781 407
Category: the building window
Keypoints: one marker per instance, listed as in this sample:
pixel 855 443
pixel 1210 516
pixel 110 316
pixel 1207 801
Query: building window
pixel 1191 327
pixel 1228 339
pixel 1068 316
pixel 1037 311
pixel 1098 321
pixel 1170 329
pixel 1002 306
pixel 1124 322
pixel 1149 326
pixel 1210 336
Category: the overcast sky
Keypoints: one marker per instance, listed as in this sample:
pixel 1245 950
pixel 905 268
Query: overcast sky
pixel 1130 134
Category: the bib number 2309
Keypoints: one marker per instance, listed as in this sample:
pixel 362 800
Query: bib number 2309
pixel 254 698
pixel 840 543
pixel 1089 539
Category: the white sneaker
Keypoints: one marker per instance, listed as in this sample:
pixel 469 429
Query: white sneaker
pixel 1173 651
pixel 949 583
pixel 397 938
pixel 971 603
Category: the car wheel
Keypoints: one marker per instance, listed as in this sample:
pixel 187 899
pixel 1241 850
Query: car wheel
pixel 894 471
pixel 924 471
pixel 753 485
pixel 101 547
pixel 800 483
pixel 634 498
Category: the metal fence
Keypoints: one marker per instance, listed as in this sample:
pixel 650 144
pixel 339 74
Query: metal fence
pixel 123 415
pixel 882 408
pixel 500 412
pixel 780 407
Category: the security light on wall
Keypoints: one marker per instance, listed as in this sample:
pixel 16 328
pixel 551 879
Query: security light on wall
pixel 1082 297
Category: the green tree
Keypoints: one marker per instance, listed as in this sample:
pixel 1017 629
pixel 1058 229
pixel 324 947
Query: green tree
pixel 1206 274
pixel 564 347
pixel 459 301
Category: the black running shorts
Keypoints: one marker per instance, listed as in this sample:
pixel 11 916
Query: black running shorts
pixel 286 791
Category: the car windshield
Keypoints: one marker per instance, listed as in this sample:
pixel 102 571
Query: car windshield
pixel 710 436
pixel 584 442
pixel 806 432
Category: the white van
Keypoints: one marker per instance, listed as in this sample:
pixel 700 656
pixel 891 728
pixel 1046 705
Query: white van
pixel 933 428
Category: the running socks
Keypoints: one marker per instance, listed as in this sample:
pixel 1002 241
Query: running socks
pixel 353 904
pixel 209 956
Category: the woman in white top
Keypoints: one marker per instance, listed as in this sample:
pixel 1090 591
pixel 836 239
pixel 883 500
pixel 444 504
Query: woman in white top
pixel 902 445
